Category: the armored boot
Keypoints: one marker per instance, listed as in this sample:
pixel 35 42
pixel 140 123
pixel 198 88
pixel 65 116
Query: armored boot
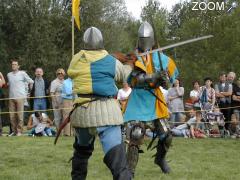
pixel 116 161
pixel 132 157
pixel 162 148
pixel 80 161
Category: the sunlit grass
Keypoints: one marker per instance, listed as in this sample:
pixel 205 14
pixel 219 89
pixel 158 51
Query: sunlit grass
pixel 28 158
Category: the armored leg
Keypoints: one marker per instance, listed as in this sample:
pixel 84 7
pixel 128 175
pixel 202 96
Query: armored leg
pixel 136 137
pixel 164 142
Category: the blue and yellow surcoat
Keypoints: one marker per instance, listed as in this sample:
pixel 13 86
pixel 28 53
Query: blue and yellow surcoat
pixel 93 72
pixel 142 104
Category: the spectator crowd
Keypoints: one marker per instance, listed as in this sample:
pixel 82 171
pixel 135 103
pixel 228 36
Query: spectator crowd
pixel 209 109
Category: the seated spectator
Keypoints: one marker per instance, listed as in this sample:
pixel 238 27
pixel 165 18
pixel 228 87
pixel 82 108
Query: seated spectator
pixel 234 127
pixel 191 127
pixel 175 102
pixel 207 95
pixel 123 94
pixel 39 124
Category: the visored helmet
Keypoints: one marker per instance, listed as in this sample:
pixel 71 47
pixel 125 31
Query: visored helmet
pixel 145 36
pixel 93 39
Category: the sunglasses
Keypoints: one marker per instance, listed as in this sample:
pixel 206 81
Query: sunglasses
pixel 59 73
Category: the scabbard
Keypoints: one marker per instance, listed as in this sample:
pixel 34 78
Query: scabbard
pixel 63 124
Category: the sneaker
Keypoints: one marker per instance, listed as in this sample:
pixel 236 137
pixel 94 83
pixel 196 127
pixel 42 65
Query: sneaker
pixel 12 134
pixel 19 134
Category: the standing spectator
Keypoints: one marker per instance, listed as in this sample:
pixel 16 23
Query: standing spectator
pixel 40 89
pixel 17 95
pixel 223 93
pixel 55 91
pixel 2 83
pixel 236 99
pixel 175 98
pixel 207 95
pixel 195 94
pixel 123 94
pixel 67 96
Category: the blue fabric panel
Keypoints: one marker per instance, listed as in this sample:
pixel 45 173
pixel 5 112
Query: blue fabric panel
pixel 103 73
pixel 163 58
pixel 110 136
pixel 141 106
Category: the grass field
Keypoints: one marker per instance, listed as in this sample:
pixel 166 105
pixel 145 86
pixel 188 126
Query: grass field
pixel 28 158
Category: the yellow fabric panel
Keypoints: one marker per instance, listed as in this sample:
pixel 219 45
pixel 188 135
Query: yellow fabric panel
pixel 149 64
pixel 140 65
pixel 171 67
pixel 161 108
pixel 80 71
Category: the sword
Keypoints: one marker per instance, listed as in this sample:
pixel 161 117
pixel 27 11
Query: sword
pixel 175 45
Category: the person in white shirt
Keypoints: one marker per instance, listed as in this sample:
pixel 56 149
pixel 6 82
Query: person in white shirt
pixel 195 94
pixel 55 91
pixel 123 94
pixel 17 81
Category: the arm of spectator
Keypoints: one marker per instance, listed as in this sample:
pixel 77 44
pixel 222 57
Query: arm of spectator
pixel 2 80
pixel 236 98
pixel 229 93
pixel 180 91
pixel 217 92
pixel 29 124
pixel 213 98
pixel 49 121
pixel 52 93
pixel 28 80
pixel 192 132
pixel 170 98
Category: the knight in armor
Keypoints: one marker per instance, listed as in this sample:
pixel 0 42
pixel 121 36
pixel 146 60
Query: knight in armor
pixel 146 106
pixel 96 110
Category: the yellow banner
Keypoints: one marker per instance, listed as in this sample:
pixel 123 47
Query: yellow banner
pixel 75 12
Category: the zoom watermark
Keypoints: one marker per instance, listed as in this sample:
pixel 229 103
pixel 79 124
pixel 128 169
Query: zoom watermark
pixel 211 6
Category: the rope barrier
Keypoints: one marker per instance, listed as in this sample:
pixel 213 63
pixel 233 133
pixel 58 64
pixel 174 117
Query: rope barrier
pixel 33 97
pixel 32 111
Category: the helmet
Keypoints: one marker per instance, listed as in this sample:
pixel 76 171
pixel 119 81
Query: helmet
pixel 145 36
pixel 93 39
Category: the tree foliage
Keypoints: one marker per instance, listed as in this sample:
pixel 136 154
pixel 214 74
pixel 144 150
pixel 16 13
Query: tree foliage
pixel 38 32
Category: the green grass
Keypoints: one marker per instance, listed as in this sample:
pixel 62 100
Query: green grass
pixel 28 158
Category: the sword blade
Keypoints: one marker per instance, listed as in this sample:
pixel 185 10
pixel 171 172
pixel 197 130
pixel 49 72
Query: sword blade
pixel 176 44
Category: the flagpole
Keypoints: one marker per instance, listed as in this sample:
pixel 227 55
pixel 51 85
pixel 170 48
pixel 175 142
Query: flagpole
pixel 72 36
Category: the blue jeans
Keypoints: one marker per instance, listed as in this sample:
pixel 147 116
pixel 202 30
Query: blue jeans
pixel 47 131
pixel 110 136
pixel 40 104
